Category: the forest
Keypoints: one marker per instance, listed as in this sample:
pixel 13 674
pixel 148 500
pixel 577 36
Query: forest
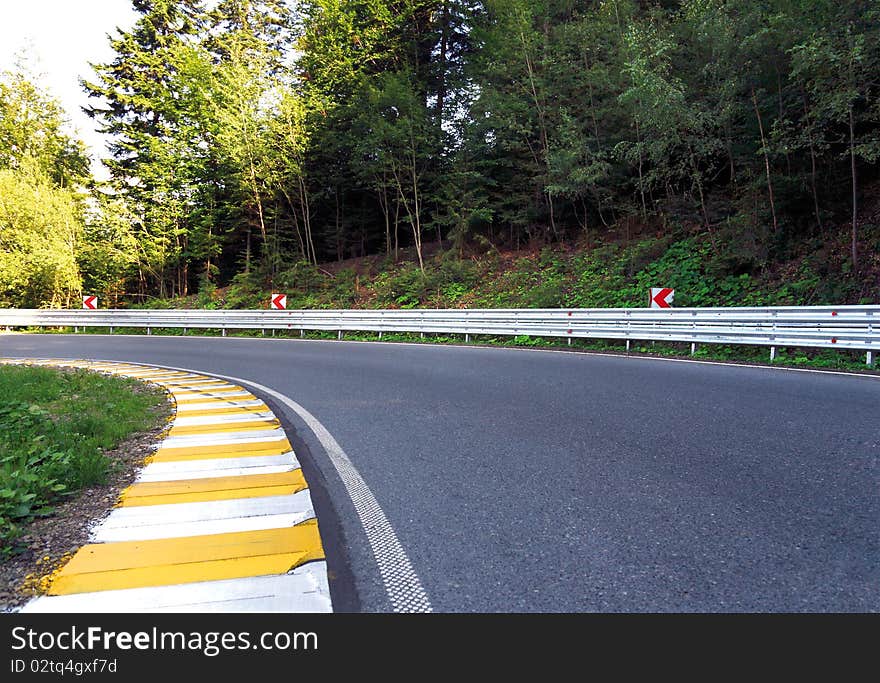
pixel 253 142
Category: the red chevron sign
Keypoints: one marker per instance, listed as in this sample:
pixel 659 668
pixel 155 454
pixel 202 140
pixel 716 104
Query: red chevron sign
pixel 278 301
pixel 90 302
pixel 662 297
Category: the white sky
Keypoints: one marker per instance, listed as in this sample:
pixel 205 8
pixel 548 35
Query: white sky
pixel 60 38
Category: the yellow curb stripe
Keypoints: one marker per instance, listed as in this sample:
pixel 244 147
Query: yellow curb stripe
pixel 225 451
pixel 250 425
pixel 136 564
pixel 213 488
pixel 227 555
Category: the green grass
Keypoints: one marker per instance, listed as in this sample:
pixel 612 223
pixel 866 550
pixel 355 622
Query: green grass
pixel 54 428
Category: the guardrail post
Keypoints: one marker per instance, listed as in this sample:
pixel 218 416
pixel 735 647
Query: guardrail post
pixel 263 332
pixel 773 348
pixel 467 337
pixel 185 331
pixel 627 343
pixel 380 334
pixel 75 329
pixel 149 331
pixel 869 360
pixel 340 335
pixel 693 348
pixel 223 331
pixel 111 329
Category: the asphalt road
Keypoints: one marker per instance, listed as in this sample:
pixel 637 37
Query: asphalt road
pixel 530 481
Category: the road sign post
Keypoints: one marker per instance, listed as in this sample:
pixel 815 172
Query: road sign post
pixel 662 297
pixel 278 302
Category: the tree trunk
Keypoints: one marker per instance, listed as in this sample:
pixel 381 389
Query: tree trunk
pixel 781 112
pixel 766 160
pixel 259 201
pixel 444 46
pixel 729 143
pixel 312 256
pixel 706 223
pixel 296 227
pixel 247 251
pixel 542 125
pixel 417 223
pixel 641 179
pixel 338 226
pixel 813 185
pixel 396 230
pixel 386 213
pixel 855 205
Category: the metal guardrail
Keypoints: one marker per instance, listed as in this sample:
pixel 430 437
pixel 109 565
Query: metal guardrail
pixel 841 327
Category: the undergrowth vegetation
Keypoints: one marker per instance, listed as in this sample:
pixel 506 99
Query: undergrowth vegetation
pixel 54 428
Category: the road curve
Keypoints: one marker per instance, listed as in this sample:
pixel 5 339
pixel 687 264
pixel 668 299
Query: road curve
pixel 529 481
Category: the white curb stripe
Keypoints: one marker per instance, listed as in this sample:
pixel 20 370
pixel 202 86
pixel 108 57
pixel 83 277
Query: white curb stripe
pixel 218 405
pixel 194 387
pixel 226 418
pixel 203 528
pixel 237 508
pixel 216 395
pixel 151 477
pixel 304 590
pixel 220 467
pixel 223 438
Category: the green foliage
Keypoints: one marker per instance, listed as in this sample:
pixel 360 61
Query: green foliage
pixel 490 125
pixel 32 133
pixel 247 291
pixel 40 227
pixel 54 427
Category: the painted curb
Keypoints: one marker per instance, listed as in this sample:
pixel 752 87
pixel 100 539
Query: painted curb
pixel 220 519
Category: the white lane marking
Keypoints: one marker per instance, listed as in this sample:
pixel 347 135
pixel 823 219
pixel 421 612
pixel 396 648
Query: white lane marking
pixel 190 469
pixel 305 589
pixel 147 477
pixel 402 585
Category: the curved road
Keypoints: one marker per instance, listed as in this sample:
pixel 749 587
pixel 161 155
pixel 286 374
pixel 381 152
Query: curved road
pixel 532 481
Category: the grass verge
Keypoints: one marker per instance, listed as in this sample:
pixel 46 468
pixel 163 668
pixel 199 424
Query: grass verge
pixel 54 428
